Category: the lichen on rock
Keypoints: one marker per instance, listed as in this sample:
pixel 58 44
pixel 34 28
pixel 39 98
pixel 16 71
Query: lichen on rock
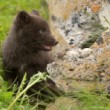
pixel 82 65
pixel 85 56
pixel 83 20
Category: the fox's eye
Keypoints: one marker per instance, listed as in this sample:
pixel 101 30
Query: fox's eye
pixel 42 30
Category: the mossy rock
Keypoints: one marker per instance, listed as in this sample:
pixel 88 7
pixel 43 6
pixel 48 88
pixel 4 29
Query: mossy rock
pixel 90 41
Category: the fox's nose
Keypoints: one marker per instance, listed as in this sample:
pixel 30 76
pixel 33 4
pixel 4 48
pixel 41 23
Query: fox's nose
pixel 56 42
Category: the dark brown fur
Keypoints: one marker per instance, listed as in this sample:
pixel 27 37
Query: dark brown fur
pixel 24 49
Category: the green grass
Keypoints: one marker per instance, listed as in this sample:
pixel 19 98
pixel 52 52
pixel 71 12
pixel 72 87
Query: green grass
pixel 9 101
pixel 82 100
pixel 92 101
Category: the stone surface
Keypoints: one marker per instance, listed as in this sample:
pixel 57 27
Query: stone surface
pixel 78 21
pixel 104 15
pixel 84 43
pixel 87 65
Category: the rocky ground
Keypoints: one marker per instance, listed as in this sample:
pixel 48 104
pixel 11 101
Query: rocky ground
pixel 82 29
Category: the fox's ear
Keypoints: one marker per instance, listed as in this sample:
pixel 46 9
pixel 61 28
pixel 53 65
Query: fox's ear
pixel 23 17
pixel 35 12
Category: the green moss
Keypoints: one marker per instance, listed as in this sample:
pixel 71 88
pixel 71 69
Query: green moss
pixel 90 41
pixel 98 26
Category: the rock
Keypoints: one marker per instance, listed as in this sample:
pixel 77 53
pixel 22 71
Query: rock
pixel 104 15
pixel 76 21
pixel 77 64
pixel 103 41
pixel 62 44
pixel 84 45
pixel 89 64
pixel 85 52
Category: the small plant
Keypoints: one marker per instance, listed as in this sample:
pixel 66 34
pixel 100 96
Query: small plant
pixel 10 102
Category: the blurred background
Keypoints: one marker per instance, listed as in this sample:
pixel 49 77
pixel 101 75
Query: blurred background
pixel 9 8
